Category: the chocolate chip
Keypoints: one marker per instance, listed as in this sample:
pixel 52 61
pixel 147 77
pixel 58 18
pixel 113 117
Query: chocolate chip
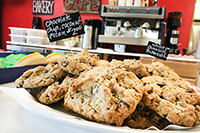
pixel 151 72
pixel 177 99
pixel 149 91
pixel 45 71
pixel 161 97
pixel 53 77
pixel 117 79
pixel 189 91
pixel 55 63
pixel 161 84
pixel 65 63
pixel 126 104
pixel 20 85
pixel 139 76
pixel 164 116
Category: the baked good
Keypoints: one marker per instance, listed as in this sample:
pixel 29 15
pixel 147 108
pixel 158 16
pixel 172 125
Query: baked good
pixel 40 76
pixel 144 117
pixel 104 94
pixel 135 66
pixel 171 100
pixel 77 63
pixel 52 57
pixel 54 92
pixel 103 63
pixel 31 59
pixel 164 71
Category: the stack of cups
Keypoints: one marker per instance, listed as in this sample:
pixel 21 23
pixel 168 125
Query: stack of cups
pixel 125 2
pixel 112 2
pixel 129 2
pixel 137 2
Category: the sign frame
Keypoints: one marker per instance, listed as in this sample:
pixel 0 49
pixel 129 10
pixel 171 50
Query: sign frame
pixel 157 50
pixel 65 26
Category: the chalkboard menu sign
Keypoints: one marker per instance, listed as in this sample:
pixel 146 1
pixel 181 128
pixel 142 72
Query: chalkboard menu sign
pixel 157 50
pixel 65 26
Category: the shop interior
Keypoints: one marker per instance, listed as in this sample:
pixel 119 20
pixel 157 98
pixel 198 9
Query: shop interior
pixel 99 66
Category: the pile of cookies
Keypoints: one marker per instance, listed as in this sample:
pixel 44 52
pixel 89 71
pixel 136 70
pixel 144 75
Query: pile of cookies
pixel 119 93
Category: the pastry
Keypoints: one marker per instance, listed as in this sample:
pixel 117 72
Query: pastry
pixel 75 64
pixel 103 63
pixel 164 71
pixel 171 100
pixel 52 57
pixel 104 94
pixel 132 65
pixel 144 117
pixel 54 92
pixel 31 59
pixel 40 76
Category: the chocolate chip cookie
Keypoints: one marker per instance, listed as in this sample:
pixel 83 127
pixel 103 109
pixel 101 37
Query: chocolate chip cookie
pixel 104 94
pixel 132 65
pixel 40 76
pixel 144 117
pixel 171 100
pixel 77 63
pixel 54 92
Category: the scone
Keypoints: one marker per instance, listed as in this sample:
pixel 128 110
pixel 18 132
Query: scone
pixel 104 94
pixel 40 76
pixel 171 101
pixel 144 117
pixel 132 65
pixel 77 63
pixel 54 92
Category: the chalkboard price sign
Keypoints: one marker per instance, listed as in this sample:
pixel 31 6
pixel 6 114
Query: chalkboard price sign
pixel 157 50
pixel 65 26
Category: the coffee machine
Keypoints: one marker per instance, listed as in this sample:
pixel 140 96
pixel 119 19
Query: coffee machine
pixel 174 21
pixel 132 25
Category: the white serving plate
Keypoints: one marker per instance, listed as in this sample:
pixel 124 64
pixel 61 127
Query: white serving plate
pixel 59 114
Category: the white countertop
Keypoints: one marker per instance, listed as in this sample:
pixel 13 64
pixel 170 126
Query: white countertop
pixel 16 119
pixel 98 51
